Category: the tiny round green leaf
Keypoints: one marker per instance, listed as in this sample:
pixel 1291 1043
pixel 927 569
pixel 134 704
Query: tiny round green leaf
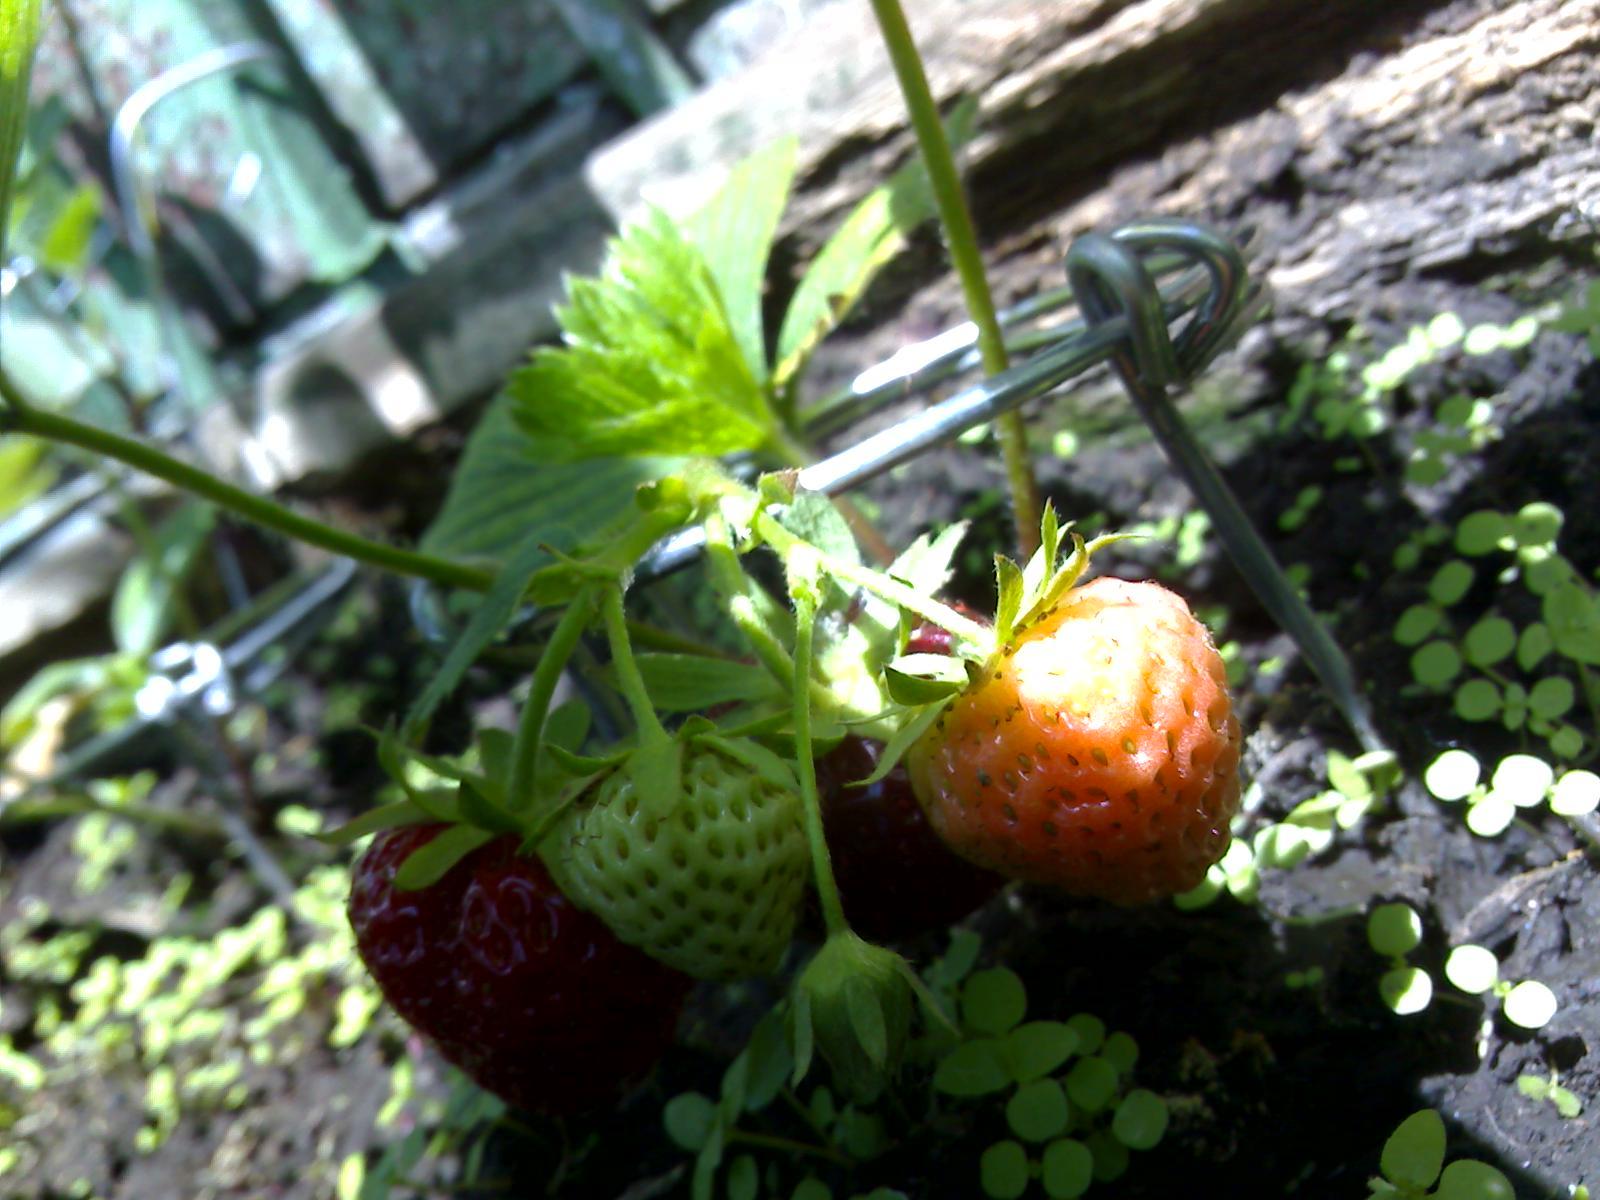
pixel 1566 743
pixel 1468 1179
pixel 1038 1111
pixel 1489 641
pixel 1530 1004
pixel 1035 1049
pixel 1576 794
pixel 1415 1151
pixel 1522 779
pixel 1534 1087
pixel 1552 697
pixel 1406 990
pixel 1204 892
pixel 1492 815
pixel 1537 524
pixel 688 1118
pixel 1480 532
pixel 974 1068
pixel 1091 1031
pixel 1417 624
pixel 1452 775
pixel 1140 1120
pixel 1477 700
pixel 744 1179
pixel 811 1189
pixel 1068 1169
pixel 1003 1171
pixel 1110 1156
pixel 1121 1051
pixel 1435 664
pixel 1471 968
pixel 1394 930
pixel 1534 645
pixel 993 1001
pixel 1449 583
pixel 1091 1083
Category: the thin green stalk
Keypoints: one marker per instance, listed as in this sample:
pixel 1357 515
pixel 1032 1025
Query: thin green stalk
pixel 530 727
pixel 17 417
pixel 805 622
pixel 879 584
pixel 629 682
pixel 963 241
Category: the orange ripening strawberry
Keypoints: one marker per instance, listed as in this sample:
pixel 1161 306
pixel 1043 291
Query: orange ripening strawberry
pixel 1098 753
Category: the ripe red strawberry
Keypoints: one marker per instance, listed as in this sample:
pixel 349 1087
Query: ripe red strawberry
pixel 531 996
pixel 1098 753
pixel 896 878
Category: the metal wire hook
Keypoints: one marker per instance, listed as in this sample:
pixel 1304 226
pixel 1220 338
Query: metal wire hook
pixel 1111 283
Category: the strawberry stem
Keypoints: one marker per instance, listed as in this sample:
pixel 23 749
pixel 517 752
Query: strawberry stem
pixel 805 606
pixel 733 586
pixel 546 676
pixel 964 255
pixel 629 681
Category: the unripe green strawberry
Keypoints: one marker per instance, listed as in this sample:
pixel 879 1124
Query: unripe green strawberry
pixel 707 877
pixel 1098 752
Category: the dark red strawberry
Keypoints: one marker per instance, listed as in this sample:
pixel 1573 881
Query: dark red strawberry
pixel 531 996
pixel 928 638
pixel 896 878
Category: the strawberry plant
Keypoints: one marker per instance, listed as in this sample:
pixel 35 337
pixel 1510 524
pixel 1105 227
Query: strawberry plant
pixel 603 814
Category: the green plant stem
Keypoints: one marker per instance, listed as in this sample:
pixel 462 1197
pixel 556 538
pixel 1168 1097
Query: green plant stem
pixel 530 727
pixel 805 605
pixel 963 241
pixel 629 681
pixel 17 417
pixel 732 585
pixel 768 1141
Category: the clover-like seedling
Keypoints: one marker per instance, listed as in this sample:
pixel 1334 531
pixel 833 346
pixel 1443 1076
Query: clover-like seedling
pixel 1520 781
pixel 1066 1091
pixel 1495 671
pixel 1475 970
pixel 1394 931
pixel 1413 1167
pixel 1548 1088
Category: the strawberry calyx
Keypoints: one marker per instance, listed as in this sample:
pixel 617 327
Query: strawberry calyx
pixel 853 1004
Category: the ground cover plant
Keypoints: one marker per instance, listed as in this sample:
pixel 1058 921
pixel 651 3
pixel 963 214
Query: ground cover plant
pixel 632 908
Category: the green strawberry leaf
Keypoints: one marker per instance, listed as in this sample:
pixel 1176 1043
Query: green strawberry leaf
pixel 145 602
pixel 690 682
pixel 734 233
pixel 650 364
pixel 19 32
pixel 870 237
pixel 814 517
pixel 428 864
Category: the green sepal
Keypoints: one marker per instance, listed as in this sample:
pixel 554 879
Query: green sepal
pixel 691 682
pixel 484 810
pixel 549 817
pixel 494 752
pixel 903 739
pixel 802 1035
pixel 428 864
pixel 656 769
pixel 582 764
pixel 860 1004
pixel 439 804
pixel 914 679
pixel 764 762
pixel 1008 582
pixel 387 816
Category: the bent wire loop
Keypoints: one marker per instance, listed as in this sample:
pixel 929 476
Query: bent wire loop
pixel 1126 321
